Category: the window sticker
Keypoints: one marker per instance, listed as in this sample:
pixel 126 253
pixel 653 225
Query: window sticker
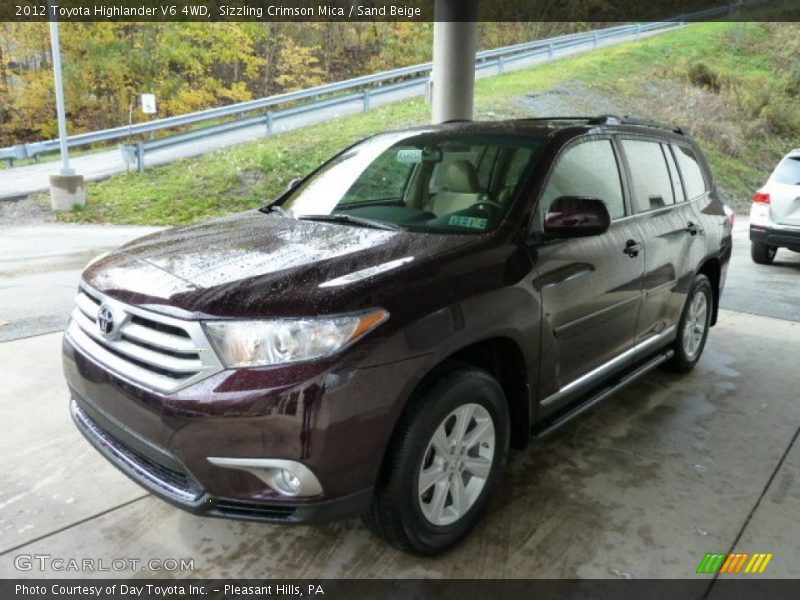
pixel 471 222
pixel 418 155
pixel 409 155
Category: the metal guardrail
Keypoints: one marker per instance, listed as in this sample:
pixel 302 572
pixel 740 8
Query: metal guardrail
pixel 362 89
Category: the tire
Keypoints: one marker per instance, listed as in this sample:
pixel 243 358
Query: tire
pixel 693 326
pixel 428 520
pixel 762 254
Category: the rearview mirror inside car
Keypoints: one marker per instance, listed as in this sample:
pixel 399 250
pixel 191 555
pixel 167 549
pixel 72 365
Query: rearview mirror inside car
pixel 577 216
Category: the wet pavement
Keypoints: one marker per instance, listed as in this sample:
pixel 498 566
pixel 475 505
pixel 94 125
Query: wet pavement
pixel 40 266
pixel 643 486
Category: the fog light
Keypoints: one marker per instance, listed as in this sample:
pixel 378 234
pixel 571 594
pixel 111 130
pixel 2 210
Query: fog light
pixel 287 477
pixel 291 480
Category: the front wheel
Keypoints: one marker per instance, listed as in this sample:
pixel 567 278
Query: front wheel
pixel 694 325
pixel 446 457
pixel 762 254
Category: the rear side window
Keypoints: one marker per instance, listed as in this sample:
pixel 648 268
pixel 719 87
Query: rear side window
pixel 788 171
pixel 690 169
pixel 651 185
pixel 588 169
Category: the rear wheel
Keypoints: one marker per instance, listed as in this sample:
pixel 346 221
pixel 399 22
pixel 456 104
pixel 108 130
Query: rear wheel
pixel 762 254
pixel 694 325
pixel 446 457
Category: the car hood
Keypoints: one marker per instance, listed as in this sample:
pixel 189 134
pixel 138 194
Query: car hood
pixel 253 264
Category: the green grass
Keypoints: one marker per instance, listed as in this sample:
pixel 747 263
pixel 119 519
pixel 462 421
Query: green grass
pixel 742 128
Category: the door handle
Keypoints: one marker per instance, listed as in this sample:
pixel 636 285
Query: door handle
pixel 693 228
pixel 632 248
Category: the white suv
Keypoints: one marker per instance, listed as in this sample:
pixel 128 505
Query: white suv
pixel 775 214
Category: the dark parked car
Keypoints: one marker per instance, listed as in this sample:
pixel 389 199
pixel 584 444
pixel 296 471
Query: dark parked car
pixel 375 340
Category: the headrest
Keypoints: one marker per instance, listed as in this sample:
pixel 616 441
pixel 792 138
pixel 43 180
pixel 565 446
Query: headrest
pixel 461 177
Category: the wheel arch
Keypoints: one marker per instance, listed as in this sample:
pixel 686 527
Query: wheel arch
pixel 503 358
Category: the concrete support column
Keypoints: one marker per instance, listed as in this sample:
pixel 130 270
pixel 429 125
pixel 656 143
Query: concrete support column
pixel 455 37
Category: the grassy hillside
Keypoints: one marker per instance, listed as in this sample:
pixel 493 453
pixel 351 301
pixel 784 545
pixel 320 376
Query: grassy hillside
pixel 734 86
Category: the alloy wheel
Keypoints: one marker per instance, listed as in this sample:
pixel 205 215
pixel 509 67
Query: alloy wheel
pixel 694 329
pixel 456 464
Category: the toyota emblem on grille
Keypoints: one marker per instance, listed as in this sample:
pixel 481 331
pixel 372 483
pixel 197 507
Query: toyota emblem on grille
pixel 106 321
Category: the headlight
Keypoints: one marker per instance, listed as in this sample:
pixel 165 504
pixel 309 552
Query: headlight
pixel 281 341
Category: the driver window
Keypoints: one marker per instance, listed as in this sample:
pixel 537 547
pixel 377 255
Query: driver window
pixel 588 169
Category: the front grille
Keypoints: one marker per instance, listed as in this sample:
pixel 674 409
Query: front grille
pixel 176 484
pixel 152 350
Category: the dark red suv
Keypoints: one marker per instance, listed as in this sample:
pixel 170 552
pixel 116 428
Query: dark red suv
pixel 375 340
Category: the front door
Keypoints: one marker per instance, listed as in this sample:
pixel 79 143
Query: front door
pixel 591 288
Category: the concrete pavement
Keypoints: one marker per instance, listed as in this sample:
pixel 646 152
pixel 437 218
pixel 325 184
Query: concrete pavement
pixel 663 472
pixel 644 486
pixel 769 290
pixel 39 270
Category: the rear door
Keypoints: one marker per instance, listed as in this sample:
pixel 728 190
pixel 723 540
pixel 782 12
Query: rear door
pixel 590 287
pixel 670 228
pixel 784 191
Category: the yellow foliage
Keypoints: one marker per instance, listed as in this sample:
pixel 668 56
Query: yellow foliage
pixel 194 66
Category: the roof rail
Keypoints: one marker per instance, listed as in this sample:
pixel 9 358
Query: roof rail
pixel 628 120
pixel 610 120
pixel 560 118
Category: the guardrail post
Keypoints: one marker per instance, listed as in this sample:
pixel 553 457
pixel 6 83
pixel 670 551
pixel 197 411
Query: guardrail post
pixel 269 122
pixel 638 31
pixel 501 67
pixel 140 156
pixel 366 100
pixel 595 40
pixel 550 51
pixel 429 87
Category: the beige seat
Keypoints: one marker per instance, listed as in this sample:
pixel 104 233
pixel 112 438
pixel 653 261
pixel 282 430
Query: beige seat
pixel 460 191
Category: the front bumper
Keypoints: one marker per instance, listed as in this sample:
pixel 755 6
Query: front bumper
pixel 782 237
pixel 164 476
pixel 334 419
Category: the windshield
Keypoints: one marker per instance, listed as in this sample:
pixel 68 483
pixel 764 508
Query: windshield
pixel 443 182
pixel 788 171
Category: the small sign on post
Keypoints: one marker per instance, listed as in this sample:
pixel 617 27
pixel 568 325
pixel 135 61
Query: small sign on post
pixel 149 104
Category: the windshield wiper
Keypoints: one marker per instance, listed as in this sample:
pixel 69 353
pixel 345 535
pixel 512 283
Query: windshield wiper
pixel 274 208
pixel 351 220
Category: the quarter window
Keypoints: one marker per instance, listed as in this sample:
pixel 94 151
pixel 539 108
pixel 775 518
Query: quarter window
pixel 589 169
pixel 651 185
pixel 692 173
pixel 677 188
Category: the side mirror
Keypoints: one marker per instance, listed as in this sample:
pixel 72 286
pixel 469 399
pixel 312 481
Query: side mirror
pixel 293 184
pixel 576 216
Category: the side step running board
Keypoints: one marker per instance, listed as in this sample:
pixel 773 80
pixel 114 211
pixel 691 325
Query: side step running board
pixel 604 393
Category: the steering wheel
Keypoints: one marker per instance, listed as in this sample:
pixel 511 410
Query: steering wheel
pixel 491 203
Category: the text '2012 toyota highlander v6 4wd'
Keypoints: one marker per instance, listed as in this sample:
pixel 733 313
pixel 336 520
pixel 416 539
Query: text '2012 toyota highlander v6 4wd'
pixel 375 341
